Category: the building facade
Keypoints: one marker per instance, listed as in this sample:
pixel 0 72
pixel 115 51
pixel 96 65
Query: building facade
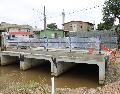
pixel 52 33
pixel 75 26
pixel 18 31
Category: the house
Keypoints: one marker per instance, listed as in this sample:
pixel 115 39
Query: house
pixel 52 33
pixel 75 26
pixel 14 30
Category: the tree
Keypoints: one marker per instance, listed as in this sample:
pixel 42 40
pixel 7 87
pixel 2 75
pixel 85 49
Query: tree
pixel 100 26
pixel 104 26
pixel 111 12
pixel 52 26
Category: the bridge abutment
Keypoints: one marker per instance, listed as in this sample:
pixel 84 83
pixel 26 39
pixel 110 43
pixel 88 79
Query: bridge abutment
pixel 60 67
pixel 101 73
pixel 25 64
pixel 28 63
pixel 6 59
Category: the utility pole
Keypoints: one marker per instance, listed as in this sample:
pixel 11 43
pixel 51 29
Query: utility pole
pixel 63 19
pixel 44 22
pixel 94 25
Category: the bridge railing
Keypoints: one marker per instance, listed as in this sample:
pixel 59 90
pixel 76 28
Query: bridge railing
pixel 66 42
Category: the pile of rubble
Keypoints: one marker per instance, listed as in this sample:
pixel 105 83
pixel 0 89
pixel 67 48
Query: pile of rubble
pixel 113 73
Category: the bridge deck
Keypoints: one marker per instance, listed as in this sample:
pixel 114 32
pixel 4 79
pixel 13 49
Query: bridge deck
pixel 81 56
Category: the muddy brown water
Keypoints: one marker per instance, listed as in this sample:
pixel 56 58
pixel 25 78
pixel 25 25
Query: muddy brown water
pixel 82 75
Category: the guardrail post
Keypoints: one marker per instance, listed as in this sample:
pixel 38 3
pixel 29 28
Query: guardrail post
pixel 70 42
pixel 47 44
pixel 17 45
pixel 100 44
pixel 100 48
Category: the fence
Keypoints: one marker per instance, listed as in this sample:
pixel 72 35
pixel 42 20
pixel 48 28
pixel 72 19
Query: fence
pixel 93 34
pixel 66 42
pixel 107 38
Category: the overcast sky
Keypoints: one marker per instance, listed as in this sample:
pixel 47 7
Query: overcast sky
pixel 31 11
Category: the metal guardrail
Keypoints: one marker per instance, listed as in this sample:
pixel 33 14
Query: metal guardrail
pixel 107 33
pixel 66 42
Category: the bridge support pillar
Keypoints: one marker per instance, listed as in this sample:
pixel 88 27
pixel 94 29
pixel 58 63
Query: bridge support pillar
pixel 27 63
pixel 101 73
pixel 59 67
pixel 6 59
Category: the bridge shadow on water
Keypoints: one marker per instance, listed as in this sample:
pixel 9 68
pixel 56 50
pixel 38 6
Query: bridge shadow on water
pixel 82 75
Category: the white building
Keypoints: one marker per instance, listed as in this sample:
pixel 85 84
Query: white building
pixel 18 31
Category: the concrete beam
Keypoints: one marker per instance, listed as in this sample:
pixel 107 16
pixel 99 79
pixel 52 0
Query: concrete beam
pixel 101 72
pixel 60 67
pixel 28 63
pixel 6 59
pixel 102 68
pixel 25 64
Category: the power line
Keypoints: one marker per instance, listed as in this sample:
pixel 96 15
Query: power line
pixel 39 15
pixel 70 13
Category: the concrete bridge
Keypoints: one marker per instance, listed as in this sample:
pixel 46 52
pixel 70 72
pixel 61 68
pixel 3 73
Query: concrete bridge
pixel 61 59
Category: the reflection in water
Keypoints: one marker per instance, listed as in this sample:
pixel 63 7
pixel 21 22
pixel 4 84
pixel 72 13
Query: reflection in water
pixel 83 75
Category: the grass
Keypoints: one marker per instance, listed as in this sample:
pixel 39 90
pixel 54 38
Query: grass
pixel 33 86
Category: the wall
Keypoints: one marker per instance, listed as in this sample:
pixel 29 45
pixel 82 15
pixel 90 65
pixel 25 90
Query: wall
pixel 13 29
pixel 87 27
pixel 22 36
pixel 77 26
pixel 69 26
pixel 50 33
pixel 18 29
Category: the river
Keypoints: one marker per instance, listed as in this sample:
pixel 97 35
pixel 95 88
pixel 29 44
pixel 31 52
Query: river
pixel 82 75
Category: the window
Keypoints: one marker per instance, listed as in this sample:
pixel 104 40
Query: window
pixel 9 36
pixel 19 29
pixel 55 35
pixel 70 25
pixel 13 36
pixel 31 36
pixel 28 30
pixel 66 34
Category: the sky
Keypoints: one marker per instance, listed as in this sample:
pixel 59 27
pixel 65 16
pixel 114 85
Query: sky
pixel 31 11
